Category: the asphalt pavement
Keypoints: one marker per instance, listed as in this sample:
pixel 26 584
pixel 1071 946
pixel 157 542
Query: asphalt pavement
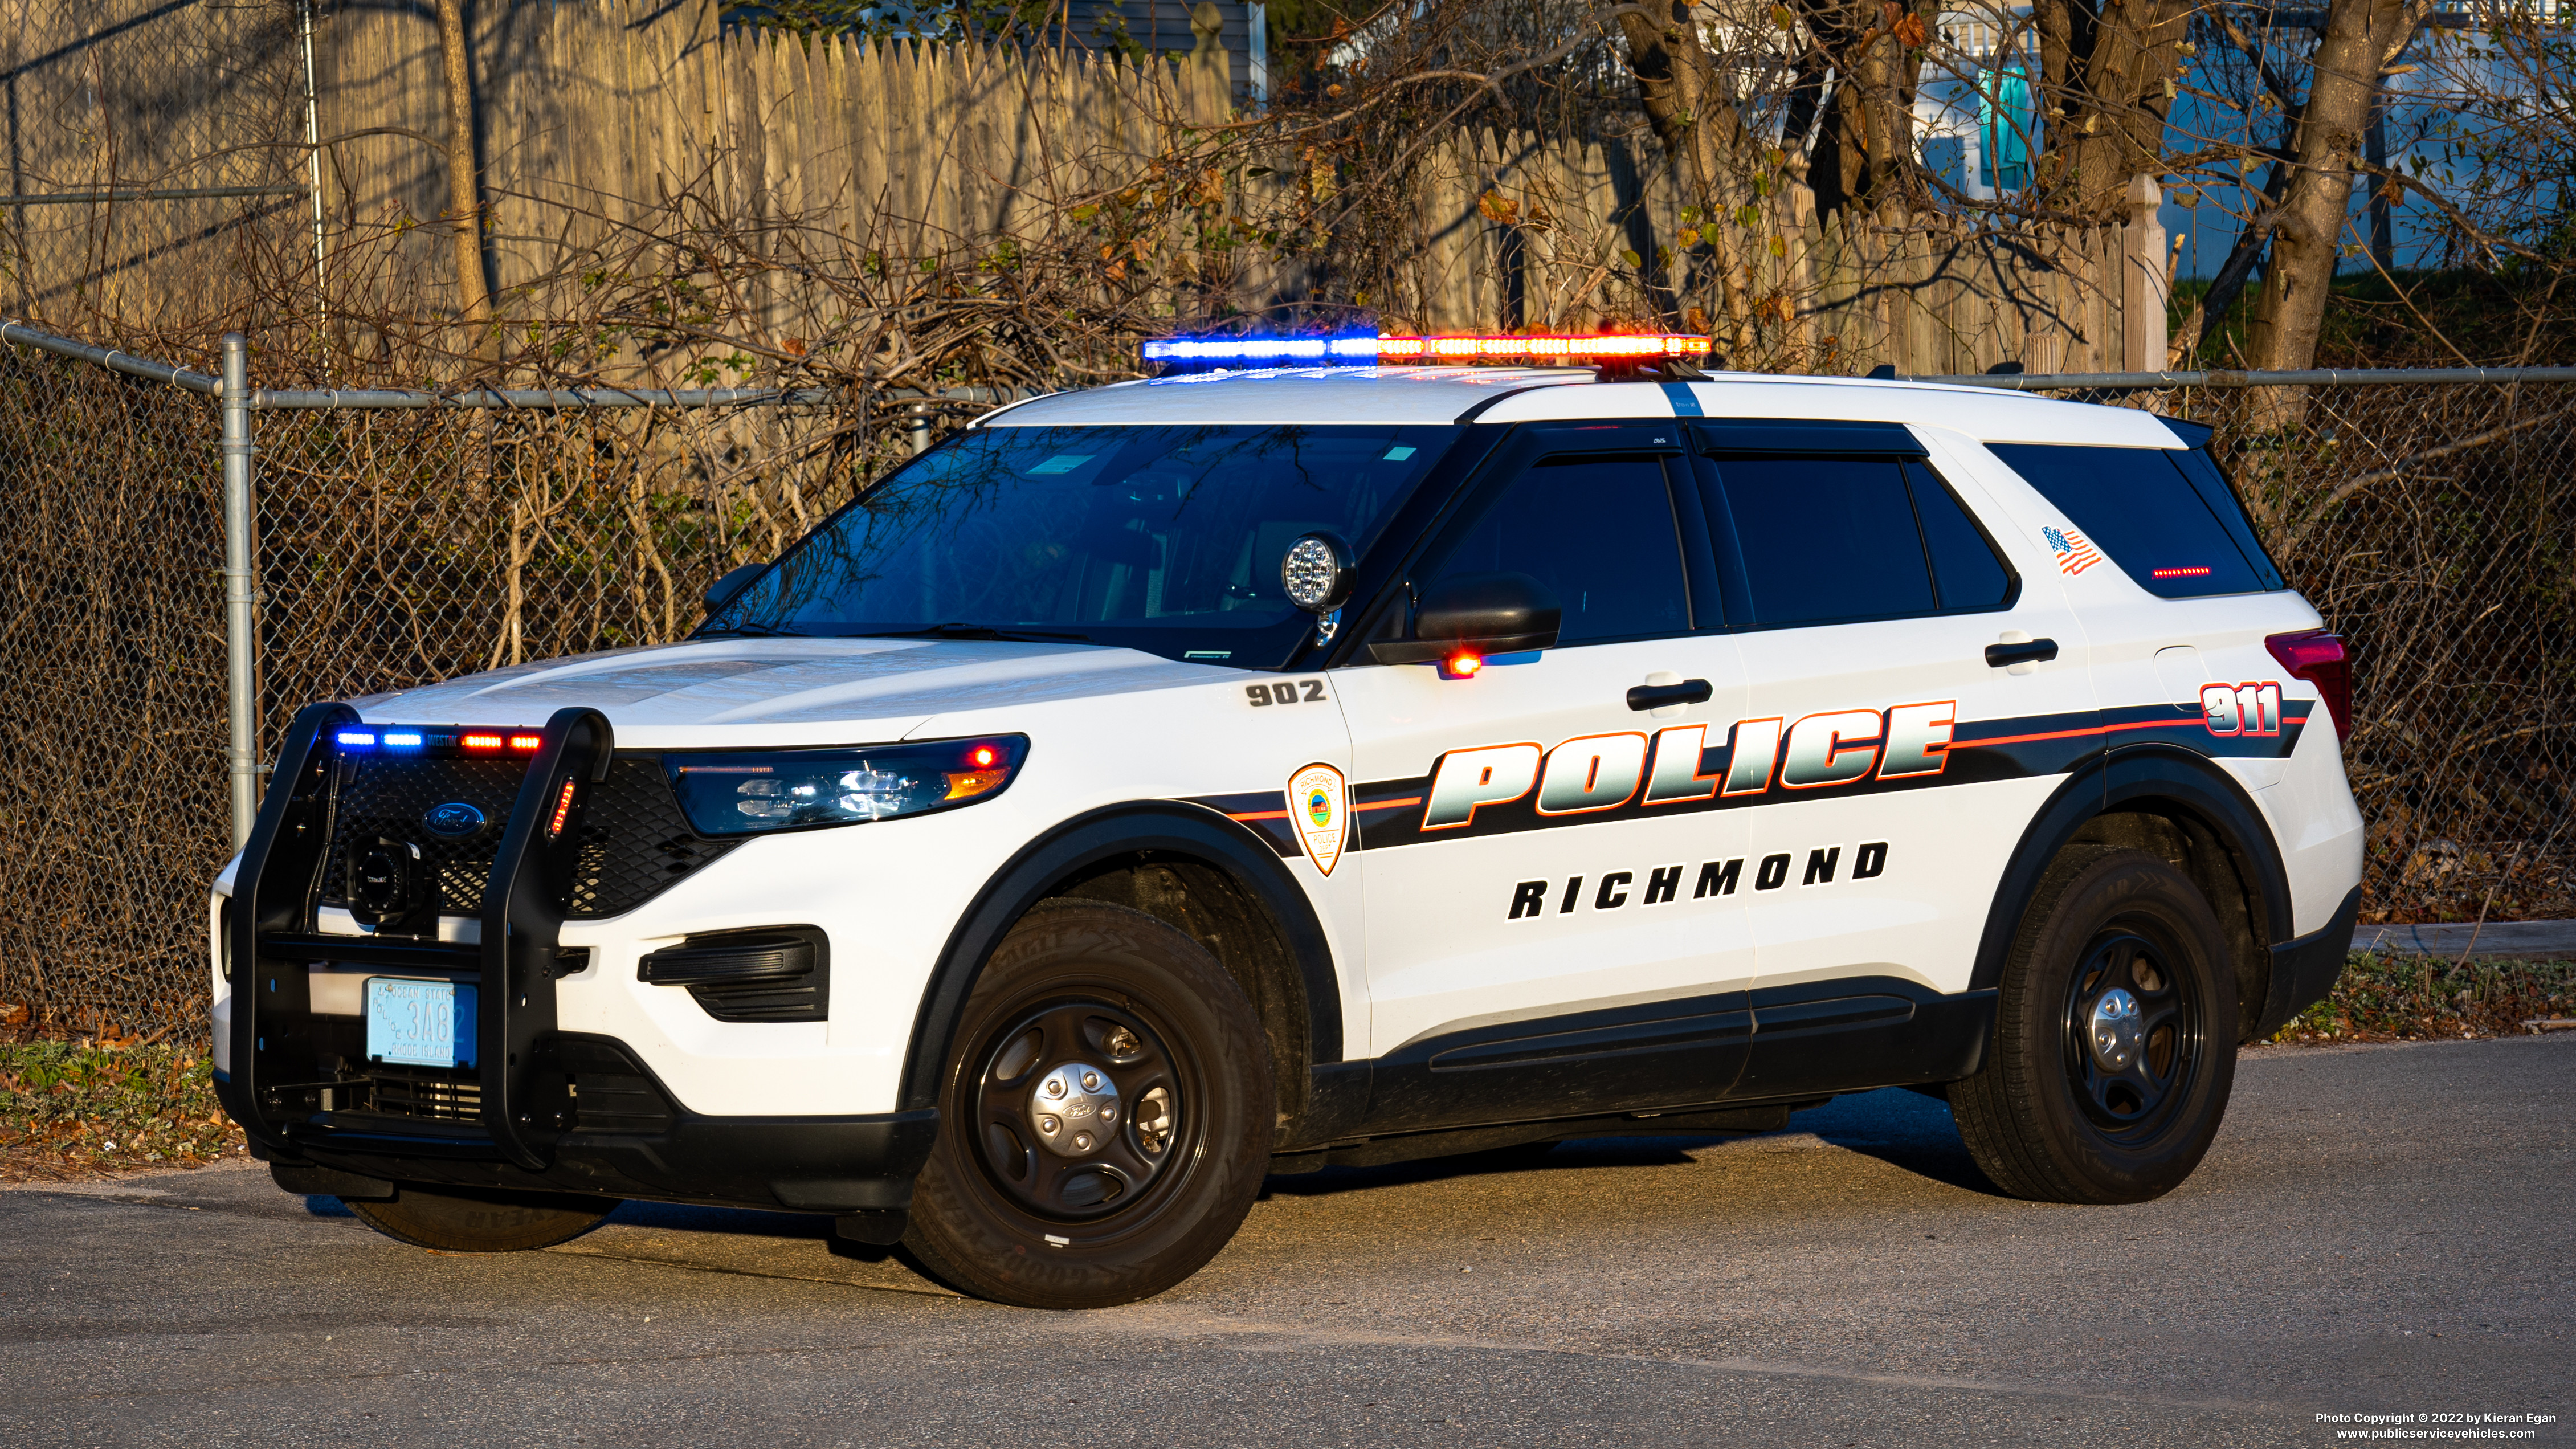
pixel 2379 1231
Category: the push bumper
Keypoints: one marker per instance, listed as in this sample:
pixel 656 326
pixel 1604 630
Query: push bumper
pixel 541 1109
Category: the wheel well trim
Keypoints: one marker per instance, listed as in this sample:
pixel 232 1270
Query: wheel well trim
pixel 2131 774
pixel 1089 839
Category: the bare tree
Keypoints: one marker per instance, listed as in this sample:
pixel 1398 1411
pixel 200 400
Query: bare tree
pixel 1865 131
pixel 2107 69
pixel 464 188
pixel 2360 40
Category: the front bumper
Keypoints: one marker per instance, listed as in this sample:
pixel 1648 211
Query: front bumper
pixel 798 1164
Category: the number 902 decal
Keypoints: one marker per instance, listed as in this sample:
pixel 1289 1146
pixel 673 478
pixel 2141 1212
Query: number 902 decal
pixel 1286 691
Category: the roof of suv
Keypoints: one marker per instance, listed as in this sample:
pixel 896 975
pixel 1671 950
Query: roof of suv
pixel 1412 394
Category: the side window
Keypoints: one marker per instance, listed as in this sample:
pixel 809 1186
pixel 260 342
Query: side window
pixel 1598 531
pixel 2221 496
pixel 1965 572
pixel 1817 540
pixel 2137 506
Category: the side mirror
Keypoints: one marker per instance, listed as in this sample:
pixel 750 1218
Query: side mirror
pixel 722 591
pixel 1480 614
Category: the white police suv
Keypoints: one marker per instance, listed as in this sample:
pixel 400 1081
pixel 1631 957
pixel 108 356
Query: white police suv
pixel 1233 773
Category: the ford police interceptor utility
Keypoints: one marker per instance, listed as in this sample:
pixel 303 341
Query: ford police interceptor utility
pixel 1239 772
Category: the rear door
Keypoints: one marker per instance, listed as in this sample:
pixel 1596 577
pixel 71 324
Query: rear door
pixel 1891 761
pixel 1552 928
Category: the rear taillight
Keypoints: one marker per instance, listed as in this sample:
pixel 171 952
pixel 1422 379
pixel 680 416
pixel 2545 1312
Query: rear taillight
pixel 2317 657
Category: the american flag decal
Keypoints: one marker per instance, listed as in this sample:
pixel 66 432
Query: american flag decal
pixel 2074 555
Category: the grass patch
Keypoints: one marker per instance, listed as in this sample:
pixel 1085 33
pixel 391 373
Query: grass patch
pixel 80 1108
pixel 2436 998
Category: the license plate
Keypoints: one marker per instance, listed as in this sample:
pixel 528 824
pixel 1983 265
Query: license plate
pixel 420 1023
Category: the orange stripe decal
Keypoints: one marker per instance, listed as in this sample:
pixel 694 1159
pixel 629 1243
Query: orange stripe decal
pixel 2150 724
pixel 1260 815
pixel 1391 804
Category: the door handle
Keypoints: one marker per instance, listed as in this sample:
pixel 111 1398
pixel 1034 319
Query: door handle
pixel 2028 651
pixel 1657 696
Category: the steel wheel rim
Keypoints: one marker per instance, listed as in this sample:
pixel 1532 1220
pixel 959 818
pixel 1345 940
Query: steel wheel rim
pixel 2133 1029
pixel 1030 1154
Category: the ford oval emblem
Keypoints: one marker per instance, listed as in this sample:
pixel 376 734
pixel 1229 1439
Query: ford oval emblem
pixel 455 820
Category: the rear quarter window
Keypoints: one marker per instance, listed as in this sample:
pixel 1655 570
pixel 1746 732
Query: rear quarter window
pixel 2139 507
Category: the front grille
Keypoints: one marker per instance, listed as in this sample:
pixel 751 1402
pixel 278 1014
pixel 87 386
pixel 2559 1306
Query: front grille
pixel 632 843
pixel 425 1093
pixel 635 843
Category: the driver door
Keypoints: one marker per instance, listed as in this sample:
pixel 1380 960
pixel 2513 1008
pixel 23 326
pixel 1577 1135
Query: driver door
pixel 1554 923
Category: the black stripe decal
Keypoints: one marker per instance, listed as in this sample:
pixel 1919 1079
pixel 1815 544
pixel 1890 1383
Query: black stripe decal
pixel 1265 811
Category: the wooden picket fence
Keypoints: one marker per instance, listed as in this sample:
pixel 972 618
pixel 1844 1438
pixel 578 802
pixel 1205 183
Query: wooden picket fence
pixel 602 120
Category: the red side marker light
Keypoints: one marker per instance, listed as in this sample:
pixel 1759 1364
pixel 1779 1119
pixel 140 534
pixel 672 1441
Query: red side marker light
pixel 984 756
pixel 1466 665
pixel 563 811
pixel 526 742
pixel 2198 572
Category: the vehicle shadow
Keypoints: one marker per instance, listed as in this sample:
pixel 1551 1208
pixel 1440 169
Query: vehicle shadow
pixel 744 1225
pixel 1901 1128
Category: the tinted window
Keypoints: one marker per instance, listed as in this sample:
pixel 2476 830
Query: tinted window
pixel 1820 539
pixel 2137 507
pixel 1965 571
pixel 1597 531
pixel 2202 470
pixel 1166 539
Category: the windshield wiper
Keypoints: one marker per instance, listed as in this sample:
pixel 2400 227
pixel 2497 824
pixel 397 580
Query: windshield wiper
pixel 750 630
pixel 956 629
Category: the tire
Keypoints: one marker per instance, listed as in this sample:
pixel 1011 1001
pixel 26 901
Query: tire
pixel 462 1220
pixel 2053 1116
pixel 1085 1007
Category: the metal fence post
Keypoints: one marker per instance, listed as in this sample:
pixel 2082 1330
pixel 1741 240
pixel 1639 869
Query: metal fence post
pixel 241 550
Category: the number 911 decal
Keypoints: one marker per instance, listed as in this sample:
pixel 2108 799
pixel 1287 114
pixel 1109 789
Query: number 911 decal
pixel 2253 708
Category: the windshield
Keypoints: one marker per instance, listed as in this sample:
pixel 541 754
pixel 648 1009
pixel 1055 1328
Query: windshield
pixel 1165 539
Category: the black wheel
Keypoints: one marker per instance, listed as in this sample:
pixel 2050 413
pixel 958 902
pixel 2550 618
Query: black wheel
pixel 464 1220
pixel 1105 1119
pixel 2115 1037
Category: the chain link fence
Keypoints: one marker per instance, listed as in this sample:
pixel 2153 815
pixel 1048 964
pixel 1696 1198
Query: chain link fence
pixel 403 538
pixel 112 764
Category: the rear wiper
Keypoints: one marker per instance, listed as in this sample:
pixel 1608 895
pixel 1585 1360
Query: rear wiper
pixel 959 630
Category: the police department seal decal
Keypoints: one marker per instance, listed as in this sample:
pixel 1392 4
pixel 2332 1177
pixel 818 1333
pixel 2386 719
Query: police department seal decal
pixel 1319 806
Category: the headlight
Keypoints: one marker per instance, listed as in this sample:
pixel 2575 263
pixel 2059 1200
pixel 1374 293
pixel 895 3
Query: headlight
pixel 738 793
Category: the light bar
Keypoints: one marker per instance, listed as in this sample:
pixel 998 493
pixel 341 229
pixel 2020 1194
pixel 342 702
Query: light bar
pixel 1538 349
pixel 1573 348
pixel 1262 349
pixel 486 740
